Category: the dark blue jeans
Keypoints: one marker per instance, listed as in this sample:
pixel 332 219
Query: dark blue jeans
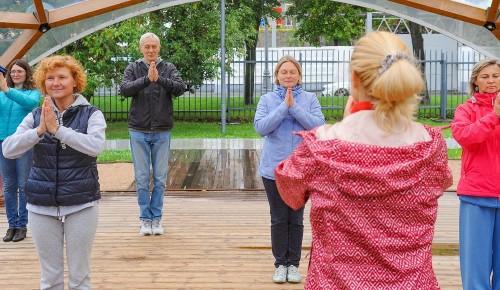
pixel 287 227
pixel 14 175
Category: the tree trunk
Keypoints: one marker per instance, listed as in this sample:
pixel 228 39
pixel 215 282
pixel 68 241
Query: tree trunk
pixel 250 59
pixel 417 42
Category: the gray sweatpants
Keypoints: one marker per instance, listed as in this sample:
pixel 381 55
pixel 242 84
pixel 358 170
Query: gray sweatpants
pixel 49 233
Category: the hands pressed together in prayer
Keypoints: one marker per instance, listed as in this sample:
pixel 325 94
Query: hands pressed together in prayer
pixel 48 119
pixel 289 97
pixel 496 105
pixel 153 72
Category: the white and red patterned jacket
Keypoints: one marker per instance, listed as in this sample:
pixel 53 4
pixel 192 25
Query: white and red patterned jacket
pixel 373 210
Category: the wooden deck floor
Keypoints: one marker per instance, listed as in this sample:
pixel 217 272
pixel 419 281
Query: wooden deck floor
pixel 222 169
pixel 213 240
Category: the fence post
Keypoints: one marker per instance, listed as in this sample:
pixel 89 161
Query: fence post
pixel 228 98
pixel 444 87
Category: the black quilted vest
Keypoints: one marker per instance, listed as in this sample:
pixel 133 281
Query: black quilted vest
pixel 62 176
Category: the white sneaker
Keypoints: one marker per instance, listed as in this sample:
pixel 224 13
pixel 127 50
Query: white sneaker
pixel 293 275
pixel 146 229
pixel 279 276
pixel 157 227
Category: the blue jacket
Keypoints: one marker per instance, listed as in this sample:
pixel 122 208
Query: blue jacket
pixel 14 106
pixel 276 122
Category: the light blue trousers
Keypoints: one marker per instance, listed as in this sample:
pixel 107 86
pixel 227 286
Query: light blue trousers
pixel 150 150
pixel 479 236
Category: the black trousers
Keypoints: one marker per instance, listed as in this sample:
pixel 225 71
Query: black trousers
pixel 287 227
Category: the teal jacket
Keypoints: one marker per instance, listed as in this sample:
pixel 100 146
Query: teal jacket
pixel 14 106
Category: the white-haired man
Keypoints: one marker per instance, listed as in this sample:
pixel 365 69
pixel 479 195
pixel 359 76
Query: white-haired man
pixel 152 83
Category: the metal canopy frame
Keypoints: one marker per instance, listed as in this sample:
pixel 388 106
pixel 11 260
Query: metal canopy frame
pixel 47 29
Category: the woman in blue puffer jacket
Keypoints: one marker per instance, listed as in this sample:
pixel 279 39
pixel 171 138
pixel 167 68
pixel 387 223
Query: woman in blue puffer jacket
pixel 18 97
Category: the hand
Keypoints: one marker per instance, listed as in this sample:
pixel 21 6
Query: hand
pixel 496 106
pixel 3 84
pixel 348 106
pixel 153 72
pixel 48 120
pixel 41 129
pixel 289 97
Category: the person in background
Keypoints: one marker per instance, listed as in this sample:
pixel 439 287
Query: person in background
pixel 476 127
pixel 67 133
pixel 18 97
pixel 279 114
pixel 374 178
pixel 152 83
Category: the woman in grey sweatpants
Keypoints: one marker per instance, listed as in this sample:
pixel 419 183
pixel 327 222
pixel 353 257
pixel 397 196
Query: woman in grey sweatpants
pixel 66 134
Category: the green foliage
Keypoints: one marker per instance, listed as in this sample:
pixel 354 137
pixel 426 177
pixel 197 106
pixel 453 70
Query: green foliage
pixel 333 21
pixel 105 53
pixel 189 35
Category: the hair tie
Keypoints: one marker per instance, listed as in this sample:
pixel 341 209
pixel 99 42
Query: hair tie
pixel 390 59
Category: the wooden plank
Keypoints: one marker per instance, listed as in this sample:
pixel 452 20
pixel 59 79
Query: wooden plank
pixel 216 240
pixel 206 171
pixel 194 163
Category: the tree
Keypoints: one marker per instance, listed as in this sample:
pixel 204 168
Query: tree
pixel 417 42
pixel 329 20
pixel 193 37
pixel 105 53
pixel 255 11
pixel 189 35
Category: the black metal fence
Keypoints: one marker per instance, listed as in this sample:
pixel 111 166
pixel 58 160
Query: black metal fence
pixel 325 72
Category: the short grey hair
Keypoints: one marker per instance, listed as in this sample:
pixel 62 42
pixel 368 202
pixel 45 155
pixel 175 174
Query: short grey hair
pixel 149 35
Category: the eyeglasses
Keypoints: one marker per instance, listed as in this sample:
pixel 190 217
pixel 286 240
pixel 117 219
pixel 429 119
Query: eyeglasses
pixel 19 72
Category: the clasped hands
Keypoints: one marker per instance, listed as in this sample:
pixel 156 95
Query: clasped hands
pixel 153 72
pixel 496 105
pixel 48 119
pixel 289 97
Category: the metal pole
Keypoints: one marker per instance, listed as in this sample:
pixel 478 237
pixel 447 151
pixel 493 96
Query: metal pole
pixel 369 22
pixel 273 33
pixel 266 58
pixel 223 63
pixel 444 86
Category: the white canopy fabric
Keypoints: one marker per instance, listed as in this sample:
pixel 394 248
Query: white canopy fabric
pixel 33 29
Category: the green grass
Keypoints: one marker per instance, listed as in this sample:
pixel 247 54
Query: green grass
pixel 113 156
pixel 208 108
pixel 183 129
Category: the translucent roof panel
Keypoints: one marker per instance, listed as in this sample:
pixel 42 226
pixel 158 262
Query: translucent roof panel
pixel 471 34
pixel 476 3
pixel 34 29
pixel 69 20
